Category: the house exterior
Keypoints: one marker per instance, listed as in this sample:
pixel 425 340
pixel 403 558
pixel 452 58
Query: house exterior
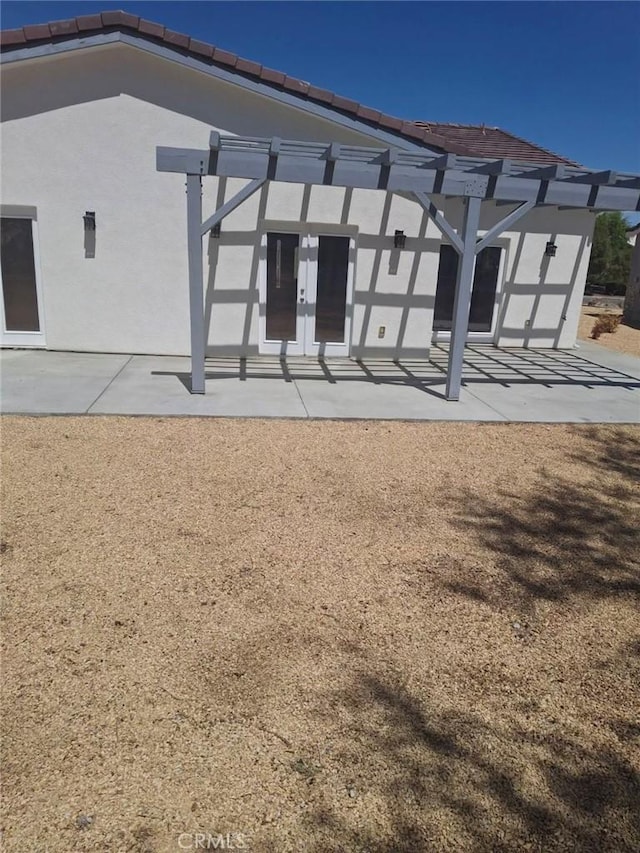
pixel 94 250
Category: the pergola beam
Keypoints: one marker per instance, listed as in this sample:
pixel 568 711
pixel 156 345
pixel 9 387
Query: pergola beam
pixel 606 177
pixel 495 167
pixel 631 183
pixel 397 170
pixel 556 172
pixel 446 162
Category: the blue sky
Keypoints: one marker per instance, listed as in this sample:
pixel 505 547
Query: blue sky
pixel 563 74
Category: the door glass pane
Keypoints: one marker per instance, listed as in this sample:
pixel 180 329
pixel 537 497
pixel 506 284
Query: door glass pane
pixel 445 289
pixel 18 275
pixel 282 286
pixel 331 298
pixel 485 281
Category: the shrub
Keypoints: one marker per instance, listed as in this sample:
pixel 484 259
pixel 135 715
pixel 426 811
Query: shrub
pixel 605 323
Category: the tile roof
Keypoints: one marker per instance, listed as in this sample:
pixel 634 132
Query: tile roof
pixel 455 139
pixel 493 142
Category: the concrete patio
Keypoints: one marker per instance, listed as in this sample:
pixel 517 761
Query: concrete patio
pixel 589 384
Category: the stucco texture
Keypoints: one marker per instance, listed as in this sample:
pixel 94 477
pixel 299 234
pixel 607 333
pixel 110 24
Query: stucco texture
pixel 86 141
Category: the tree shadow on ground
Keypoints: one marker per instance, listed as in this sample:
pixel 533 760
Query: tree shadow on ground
pixel 504 769
pixel 452 780
pixel 565 539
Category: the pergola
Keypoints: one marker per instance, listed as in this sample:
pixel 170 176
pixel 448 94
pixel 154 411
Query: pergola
pixel 417 175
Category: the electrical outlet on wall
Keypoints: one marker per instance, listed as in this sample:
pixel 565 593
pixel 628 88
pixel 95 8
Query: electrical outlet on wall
pixel 381 331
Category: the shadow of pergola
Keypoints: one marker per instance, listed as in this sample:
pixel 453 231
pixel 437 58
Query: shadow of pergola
pixel 483 364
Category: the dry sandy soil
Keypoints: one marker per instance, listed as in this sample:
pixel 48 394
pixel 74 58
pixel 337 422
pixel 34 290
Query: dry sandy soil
pixel 320 636
pixel 625 339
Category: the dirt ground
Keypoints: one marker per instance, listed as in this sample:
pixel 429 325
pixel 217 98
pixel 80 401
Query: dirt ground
pixel 625 339
pixel 319 636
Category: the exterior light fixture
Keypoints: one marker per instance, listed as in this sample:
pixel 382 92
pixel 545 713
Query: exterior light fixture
pixel 89 220
pixel 550 249
pixel 215 231
pixel 399 239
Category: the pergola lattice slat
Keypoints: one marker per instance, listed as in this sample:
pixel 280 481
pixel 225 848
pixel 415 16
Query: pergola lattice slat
pixel 402 171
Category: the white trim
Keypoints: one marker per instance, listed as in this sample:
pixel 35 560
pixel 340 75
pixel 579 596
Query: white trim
pixel 10 338
pixel 491 336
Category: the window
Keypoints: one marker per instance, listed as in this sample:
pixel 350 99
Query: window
pixel 485 282
pixel 19 291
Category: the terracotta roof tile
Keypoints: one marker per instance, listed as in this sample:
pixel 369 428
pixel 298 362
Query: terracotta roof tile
pixel 368 114
pixel 292 84
pixel 88 22
pixel 345 104
pixel 410 129
pixel 248 67
pixel 201 48
pixel 149 28
pixel 128 20
pixel 10 37
pixel 112 19
pixel 323 95
pixel 37 32
pixel 224 57
pixel 63 28
pixel 390 122
pixel 459 139
pixel 271 76
pixel 176 39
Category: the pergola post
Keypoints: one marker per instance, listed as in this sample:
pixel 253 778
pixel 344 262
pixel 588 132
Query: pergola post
pixel 462 303
pixel 196 287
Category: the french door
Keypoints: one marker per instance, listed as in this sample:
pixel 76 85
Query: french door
pixel 306 294
pixel 20 307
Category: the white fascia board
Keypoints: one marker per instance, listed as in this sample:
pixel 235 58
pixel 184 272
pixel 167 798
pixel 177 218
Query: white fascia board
pixel 231 77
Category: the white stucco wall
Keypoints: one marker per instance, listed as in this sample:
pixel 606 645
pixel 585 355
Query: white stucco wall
pixel 79 133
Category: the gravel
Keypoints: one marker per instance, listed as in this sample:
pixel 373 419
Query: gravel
pixel 305 636
pixel 625 339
